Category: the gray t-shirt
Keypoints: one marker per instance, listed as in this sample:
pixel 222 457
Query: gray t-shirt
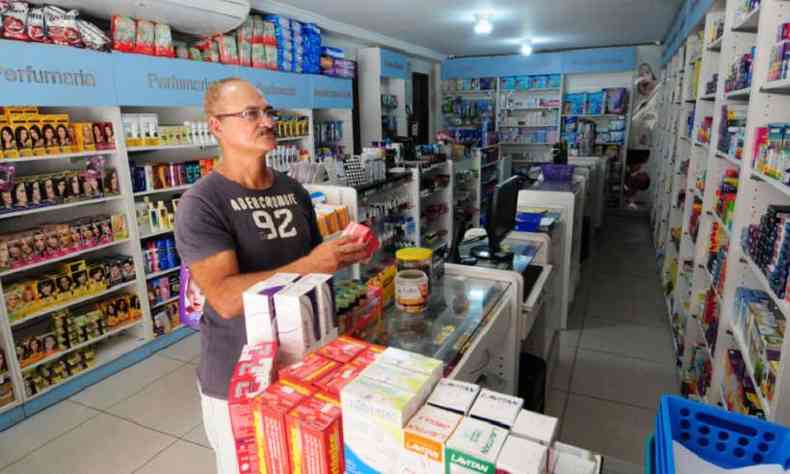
pixel 267 229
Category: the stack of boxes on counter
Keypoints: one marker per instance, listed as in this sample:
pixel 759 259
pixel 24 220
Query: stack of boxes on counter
pixel 302 399
pixel 151 177
pixel 772 151
pixel 26 132
pixel 144 130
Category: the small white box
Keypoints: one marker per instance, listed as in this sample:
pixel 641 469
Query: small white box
pixel 496 408
pixel 325 295
pixel 259 309
pixel 474 447
pixel 415 382
pixel 454 395
pixel 521 456
pixel 296 318
pixel 535 427
pixel 424 439
pixel 413 362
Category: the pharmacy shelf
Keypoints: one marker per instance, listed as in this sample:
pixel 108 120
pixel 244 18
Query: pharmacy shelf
pixel 704 338
pixel 781 86
pixel 173 189
pixel 711 96
pixel 59 207
pixel 778 185
pixel 292 139
pixel 715 45
pixel 60 259
pixel 718 219
pixel 526 144
pixel 531 91
pixel 70 303
pixel 9 406
pixel 170 147
pixel 758 273
pixel 746 355
pixel 151 276
pixel 83 345
pixel 726 157
pixel 156 234
pixel 162 303
pixel 594 116
pixel 739 94
pixel 528 108
pixel 486 93
pixel 749 23
pixel 62 156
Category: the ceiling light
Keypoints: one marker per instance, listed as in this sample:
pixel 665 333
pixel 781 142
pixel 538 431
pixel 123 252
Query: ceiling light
pixel 483 25
pixel 526 48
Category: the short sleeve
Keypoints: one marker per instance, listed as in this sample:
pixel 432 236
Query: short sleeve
pixel 200 231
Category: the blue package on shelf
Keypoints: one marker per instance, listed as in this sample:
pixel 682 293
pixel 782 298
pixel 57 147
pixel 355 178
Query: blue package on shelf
pixel 555 81
pixel 595 102
pixel 558 173
pixel 573 104
pixel 509 83
pixel 725 439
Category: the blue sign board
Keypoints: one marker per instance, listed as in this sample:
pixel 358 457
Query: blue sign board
pixel 281 89
pixel 689 15
pixel 394 65
pixel 566 62
pixel 332 93
pixel 50 75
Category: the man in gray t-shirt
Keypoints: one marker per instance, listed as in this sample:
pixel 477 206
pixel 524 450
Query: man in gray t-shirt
pixel 237 226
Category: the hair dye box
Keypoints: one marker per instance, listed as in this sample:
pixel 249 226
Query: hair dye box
pixel 271 435
pixel 474 447
pixel 424 440
pixel 316 437
pixel 454 395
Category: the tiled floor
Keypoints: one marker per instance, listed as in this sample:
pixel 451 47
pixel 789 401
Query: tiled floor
pixel 614 363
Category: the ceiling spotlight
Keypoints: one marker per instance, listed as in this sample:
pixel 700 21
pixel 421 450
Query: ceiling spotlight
pixel 483 25
pixel 526 48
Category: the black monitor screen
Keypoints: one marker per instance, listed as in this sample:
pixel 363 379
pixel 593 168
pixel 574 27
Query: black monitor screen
pixel 502 215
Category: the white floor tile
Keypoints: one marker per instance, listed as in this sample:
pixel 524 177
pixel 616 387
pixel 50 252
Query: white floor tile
pixel 181 458
pixel 41 428
pixel 122 385
pixel 171 404
pixel 184 350
pixel 105 444
pixel 628 339
pixel 608 428
pixel 612 465
pixel 198 436
pixel 622 379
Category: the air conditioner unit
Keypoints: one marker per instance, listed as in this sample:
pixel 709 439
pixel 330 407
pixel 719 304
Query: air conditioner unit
pixel 197 17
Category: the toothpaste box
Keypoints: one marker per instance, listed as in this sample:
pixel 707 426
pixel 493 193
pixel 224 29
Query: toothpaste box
pixel 308 370
pixel 474 447
pixel 271 436
pixel 241 394
pixel 497 408
pixel 259 311
pixel 343 349
pixel 413 362
pixel 414 382
pixel 369 356
pixel 535 427
pixel 333 382
pixel 374 415
pixel 424 439
pixel 297 324
pixel 256 361
pixel 325 295
pixel 521 456
pixel 314 427
pixel 454 395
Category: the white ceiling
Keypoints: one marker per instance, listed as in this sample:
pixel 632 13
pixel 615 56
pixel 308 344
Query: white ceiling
pixel 446 26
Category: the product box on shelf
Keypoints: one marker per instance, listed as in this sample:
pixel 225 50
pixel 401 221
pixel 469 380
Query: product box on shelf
pixel 369 356
pixel 333 382
pixel 309 370
pixel 343 349
pixel 415 382
pixel 413 362
pixel 474 447
pixel 259 307
pixel 270 411
pixel 535 427
pixel 424 440
pixel 496 408
pixel 520 456
pixel 316 437
pixel 454 395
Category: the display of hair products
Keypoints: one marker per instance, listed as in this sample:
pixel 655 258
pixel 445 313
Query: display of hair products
pixel 151 177
pixel 160 254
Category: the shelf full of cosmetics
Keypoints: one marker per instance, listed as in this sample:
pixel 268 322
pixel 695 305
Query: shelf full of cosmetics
pixel 728 304
pixel 318 399
pixel 261 41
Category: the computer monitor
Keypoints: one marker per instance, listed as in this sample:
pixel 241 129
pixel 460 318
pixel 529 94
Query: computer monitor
pixel 500 219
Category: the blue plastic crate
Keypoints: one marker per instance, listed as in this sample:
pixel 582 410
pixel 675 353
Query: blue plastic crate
pixel 729 440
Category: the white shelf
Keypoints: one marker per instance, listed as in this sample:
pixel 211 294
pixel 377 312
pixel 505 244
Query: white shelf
pixel 157 233
pixel 711 96
pixel 781 86
pixel 701 145
pixel 173 189
pixel 74 302
pixel 64 257
pixel 292 139
pixel 83 345
pixel 62 156
pixel 727 157
pixel 715 45
pixel 169 147
pixel 740 94
pixel 773 182
pixel 162 303
pixel 750 368
pixel 59 207
pixel 151 276
pixel 749 23
pixel 717 218
pixel 781 304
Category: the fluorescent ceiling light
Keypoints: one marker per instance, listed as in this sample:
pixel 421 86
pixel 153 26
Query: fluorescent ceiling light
pixel 526 48
pixel 483 25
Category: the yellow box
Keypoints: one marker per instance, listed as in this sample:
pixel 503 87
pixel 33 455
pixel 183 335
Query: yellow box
pixel 83 136
pixel 62 131
pixel 49 125
pixel 8 141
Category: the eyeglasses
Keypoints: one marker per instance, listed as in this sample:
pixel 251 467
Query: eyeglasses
pixel 253 114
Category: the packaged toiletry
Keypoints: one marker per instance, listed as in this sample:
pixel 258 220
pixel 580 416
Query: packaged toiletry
pixel 343 349
pixel 228 51
pixel 163 41
pixel 374 415
pixel 334 381
pixel 454 395
pixel 496 408
pixel 271 435
pixel 144 39
pixel 325 295
pixel 14 21
pixel 474 447
pixel 297 322
pixel 259 307
pixel 424 440
pixel 309 370
pixel 535 427
pixel 520 456
pixel 315 428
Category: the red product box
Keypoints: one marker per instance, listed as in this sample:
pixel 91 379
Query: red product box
pixel 316 437
pixel 271 435
pixel 247 456
pixel 343 349
pixel 309 370
pixel 361 234
pixel 368 357
pixel 333 382
pixel 241 393
pixel 256 360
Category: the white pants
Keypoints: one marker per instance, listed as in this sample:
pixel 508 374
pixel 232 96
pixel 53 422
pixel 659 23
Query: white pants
pixel 216 421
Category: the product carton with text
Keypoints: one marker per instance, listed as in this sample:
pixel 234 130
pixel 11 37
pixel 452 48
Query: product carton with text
pixel 316 437
pixel 454 395
pixel 474 447
pixel 424 440
pixel 497 408
pixel 259 312
pixel 271 435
